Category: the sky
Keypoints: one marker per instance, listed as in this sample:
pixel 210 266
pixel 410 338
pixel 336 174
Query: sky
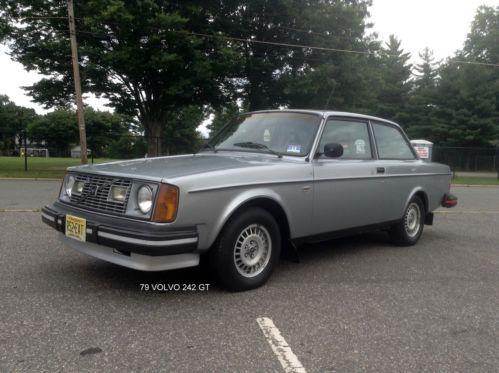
pixel 441 25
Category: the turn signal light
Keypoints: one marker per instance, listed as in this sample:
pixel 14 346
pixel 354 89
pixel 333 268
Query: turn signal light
pixel 166 207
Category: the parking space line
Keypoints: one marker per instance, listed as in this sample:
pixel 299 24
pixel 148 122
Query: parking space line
pixel 468 212
pixel 286 357
pixel 19 210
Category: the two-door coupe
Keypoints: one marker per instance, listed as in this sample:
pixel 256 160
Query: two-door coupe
pixel 266 180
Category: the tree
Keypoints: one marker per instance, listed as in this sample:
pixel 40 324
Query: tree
pixel 467 106
pixel 59 130
pixel 13 119
pixel 183 126
pixel 128 147
pixel 142 55
pixel 423 97
pixel 277 75
pixel 395 87
pixel 221 117
pixel 104 128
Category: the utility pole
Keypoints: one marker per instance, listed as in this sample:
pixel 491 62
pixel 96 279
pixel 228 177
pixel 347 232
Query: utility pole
pixel 76 77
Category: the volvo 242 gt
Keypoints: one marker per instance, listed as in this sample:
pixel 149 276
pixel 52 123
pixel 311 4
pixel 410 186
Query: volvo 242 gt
pixel 266 180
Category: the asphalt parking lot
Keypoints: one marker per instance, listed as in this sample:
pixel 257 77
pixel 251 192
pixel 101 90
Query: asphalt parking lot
pixel 352 305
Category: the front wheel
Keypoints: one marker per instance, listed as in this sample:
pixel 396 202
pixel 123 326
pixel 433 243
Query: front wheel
pixel 247 250
pixel 408 231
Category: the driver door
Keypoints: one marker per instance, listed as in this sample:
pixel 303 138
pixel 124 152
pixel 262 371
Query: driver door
pixel 349 190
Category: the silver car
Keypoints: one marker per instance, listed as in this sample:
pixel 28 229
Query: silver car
pixel 267 181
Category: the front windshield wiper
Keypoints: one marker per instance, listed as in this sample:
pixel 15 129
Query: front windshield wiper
pixel 256 145
pixel 207 145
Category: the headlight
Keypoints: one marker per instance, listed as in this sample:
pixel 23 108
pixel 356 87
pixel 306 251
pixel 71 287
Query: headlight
pixel 144 199
pixel 68 186
pixel 78 187
pixel 118 193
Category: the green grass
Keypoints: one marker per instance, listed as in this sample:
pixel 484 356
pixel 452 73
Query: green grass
pixel 38 167
pixel 476 180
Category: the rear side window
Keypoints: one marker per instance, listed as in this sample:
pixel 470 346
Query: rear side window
pixel 391 144
pixel 352 135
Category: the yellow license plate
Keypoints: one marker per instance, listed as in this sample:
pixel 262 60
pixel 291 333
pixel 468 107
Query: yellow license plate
pixel 76 228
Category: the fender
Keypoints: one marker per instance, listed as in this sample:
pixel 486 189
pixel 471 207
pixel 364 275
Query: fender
pixel 415 190
pixel 240 200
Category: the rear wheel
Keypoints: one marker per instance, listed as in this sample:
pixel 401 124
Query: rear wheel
pixel 247 250
pixel 408 231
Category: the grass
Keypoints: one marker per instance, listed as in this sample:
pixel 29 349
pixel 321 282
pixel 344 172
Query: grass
pixel 38 167
pixel 476 180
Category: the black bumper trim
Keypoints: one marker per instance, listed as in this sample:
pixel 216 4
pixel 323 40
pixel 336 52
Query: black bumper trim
pixel 128 236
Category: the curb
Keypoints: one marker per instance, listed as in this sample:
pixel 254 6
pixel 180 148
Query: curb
pixel 475 186
pixel 31 178
pixel 20 210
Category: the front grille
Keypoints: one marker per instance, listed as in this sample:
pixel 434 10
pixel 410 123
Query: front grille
pixel 97 188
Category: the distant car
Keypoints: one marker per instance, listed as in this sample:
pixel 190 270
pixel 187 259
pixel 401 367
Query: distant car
pixel 267 179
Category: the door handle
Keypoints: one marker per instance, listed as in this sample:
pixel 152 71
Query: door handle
pixel 380 170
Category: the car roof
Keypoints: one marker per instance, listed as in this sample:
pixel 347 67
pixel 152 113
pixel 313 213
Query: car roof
pixel 327 113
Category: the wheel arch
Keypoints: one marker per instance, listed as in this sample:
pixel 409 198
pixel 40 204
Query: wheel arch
pixel 420 192
pixel 268 202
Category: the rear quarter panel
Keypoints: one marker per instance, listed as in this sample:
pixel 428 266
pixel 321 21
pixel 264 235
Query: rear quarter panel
pixel 411 177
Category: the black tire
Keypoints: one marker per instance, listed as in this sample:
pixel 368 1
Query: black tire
pixel 228 261
pixel 408 231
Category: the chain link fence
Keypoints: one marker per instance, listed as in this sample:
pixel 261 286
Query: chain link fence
pixel 129 146
pixel 468 159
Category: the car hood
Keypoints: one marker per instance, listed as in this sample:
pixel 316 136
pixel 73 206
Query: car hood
pixel 178 166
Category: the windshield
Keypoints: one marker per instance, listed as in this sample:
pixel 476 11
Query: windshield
pixel 281 133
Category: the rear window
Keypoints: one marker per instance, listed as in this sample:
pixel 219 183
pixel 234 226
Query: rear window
pixel 391 143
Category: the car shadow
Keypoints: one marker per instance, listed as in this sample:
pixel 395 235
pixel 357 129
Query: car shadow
pixel 126 279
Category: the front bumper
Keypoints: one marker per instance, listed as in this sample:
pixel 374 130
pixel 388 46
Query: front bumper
pixel 124 237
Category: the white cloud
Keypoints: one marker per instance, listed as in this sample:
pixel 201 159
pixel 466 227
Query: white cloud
pixel 441 25
pixel 13 77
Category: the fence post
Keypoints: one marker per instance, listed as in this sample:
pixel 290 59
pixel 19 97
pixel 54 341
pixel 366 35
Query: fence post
pixel 25 142
pixel 497 161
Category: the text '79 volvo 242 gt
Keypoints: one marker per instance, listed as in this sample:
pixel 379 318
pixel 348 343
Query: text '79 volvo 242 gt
pixel 266 180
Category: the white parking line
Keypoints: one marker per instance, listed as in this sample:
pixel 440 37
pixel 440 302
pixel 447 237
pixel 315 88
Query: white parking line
pixel 286 357
pixel 468 212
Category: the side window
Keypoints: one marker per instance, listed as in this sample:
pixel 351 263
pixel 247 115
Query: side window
pixel 352 135
pixel 391 144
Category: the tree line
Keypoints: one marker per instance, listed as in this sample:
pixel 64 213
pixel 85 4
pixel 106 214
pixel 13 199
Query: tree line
pixel 170 64
pixel 109 135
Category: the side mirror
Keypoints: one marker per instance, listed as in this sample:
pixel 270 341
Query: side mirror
pixel 333 150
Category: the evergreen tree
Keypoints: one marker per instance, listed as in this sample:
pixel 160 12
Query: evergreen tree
pixel 467 105
pixel 421 123
pixel 395 87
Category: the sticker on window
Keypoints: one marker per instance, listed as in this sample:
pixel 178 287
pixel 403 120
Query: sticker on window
pixel 266 136
pixel 294 148
pixel 360 146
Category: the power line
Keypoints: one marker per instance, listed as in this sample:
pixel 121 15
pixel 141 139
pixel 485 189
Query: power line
pixel 292 45
pixel 327 49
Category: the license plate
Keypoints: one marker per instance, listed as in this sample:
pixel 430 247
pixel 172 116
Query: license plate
pixel 76 228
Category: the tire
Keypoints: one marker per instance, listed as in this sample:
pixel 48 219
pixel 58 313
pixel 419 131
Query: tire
pixel 408 231
pixel 247 250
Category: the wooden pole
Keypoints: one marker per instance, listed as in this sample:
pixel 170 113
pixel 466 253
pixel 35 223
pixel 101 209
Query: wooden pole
pixel 76 77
